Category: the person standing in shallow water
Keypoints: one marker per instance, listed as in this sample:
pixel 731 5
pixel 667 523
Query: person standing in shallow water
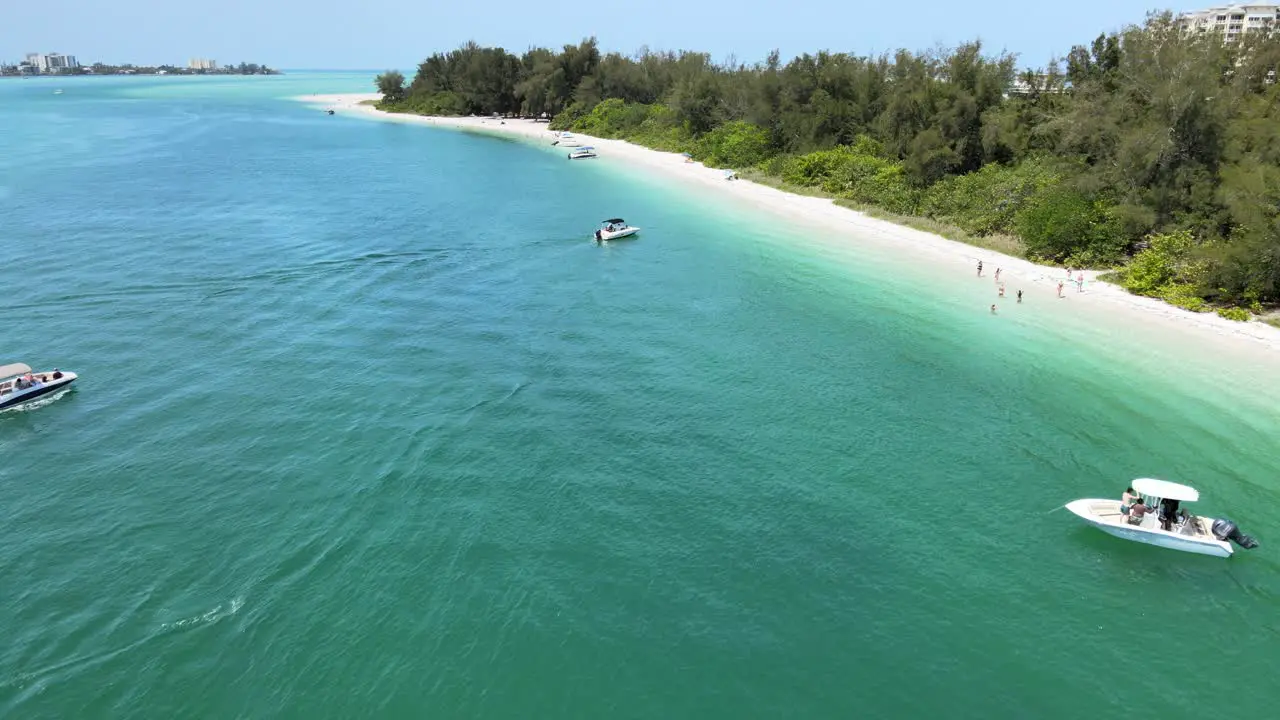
pixel 1019 296
pixel 1059 288
pixel 1001 288
pixel 979 268
pixel 993 309
pixel 997 274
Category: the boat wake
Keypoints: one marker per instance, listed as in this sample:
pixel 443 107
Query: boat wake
pixel 38 403
pixel 219 612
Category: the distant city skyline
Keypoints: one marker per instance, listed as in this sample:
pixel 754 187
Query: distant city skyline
pixel 379 34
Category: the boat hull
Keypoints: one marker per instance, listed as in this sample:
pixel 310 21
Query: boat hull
pixel 25 396
pixel 618 234
pixel 1105 515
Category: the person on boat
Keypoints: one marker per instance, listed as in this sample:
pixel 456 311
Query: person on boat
pixel 1168 513
pixel 1127 500
pixel 1137 511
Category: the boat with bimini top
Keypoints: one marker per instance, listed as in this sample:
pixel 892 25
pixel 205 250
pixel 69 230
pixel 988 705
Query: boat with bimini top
pixel 18 384
pixel 1156 517
pixel 615 228
pixel 566 139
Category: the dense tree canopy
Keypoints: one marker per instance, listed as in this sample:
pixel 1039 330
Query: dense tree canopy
pixel 1152 140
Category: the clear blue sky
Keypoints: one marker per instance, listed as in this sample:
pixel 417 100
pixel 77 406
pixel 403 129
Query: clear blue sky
pixel 376 34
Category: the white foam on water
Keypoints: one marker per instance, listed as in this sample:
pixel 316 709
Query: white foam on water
pixel 38 403
pixel 219 612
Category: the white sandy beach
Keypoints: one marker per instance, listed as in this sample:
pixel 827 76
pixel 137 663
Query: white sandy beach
pixel 821 212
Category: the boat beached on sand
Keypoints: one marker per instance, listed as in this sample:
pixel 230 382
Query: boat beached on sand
pixel 615 228
pixel 566 139
pixel 1166 524
pixel 583 153
pixel 18 384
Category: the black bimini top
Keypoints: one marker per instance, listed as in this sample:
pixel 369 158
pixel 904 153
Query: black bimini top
pixel 615 221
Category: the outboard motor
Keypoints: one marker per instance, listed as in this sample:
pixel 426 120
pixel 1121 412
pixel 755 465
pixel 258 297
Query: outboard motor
pixel 1226 530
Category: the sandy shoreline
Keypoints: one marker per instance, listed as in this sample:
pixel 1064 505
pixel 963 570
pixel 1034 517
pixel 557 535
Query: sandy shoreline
pixel 824 213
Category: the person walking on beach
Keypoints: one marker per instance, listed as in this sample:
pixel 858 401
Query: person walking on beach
pixel 997 274
pixel 1060 288
pixel 1019 297
pixel 1080 282
pixel 979 268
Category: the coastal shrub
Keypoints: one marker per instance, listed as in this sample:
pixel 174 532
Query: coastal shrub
pixel 1166 261
pixel 1183 296
pixel 736 144
pixel 1238 314
pixel 987 201
pixel 888 188
pixel 776 165
pixel 441 103
pixel 568 117
pixel 816 169
pixel 612 118
pixel 661 129
pixel 857 172
pixel 1060 221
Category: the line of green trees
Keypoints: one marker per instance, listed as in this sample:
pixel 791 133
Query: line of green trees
pixel 1152 149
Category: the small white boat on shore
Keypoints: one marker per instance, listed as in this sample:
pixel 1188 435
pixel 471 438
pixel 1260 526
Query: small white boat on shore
pixel 583 153
pixel 19 385
pixel 615 228
pixel 1166 524
pixel 566 139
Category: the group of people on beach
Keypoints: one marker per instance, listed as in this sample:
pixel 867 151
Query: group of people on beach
pixel 1079 283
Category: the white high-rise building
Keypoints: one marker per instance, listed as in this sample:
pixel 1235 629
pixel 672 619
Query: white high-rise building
pixel 202 64
pixel 1233 21
pixel 51 62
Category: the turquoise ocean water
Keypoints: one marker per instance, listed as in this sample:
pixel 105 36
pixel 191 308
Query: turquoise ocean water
pixel 368 427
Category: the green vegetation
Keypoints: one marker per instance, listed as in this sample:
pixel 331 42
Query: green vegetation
pixel 1154 151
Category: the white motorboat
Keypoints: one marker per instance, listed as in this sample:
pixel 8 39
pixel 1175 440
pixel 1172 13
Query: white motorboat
pixel 615 228
pixel 566 139
pixel 1166 524
pixel 18 384
pixel 583 153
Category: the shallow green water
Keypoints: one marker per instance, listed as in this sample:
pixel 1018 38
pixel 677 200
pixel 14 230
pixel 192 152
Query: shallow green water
pixel 367 427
